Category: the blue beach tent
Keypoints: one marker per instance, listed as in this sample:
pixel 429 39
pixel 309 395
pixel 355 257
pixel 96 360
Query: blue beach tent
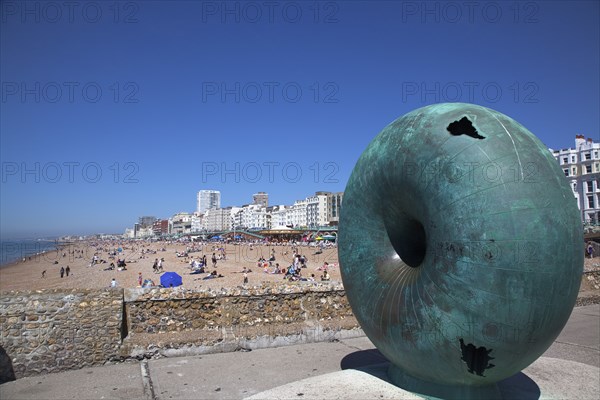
pixel 169 279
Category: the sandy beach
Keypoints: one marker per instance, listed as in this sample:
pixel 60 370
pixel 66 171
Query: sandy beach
pixel 140 256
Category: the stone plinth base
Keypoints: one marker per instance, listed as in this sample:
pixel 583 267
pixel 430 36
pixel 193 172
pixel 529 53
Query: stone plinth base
pixel 547 378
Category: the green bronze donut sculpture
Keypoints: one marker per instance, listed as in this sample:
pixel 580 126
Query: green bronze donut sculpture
pixel 460 246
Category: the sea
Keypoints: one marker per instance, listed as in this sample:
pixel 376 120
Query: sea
pixel 14 250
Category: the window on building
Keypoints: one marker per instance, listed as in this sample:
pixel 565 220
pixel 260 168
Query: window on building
pixel 591 202
pixel 588 156
pixel 596 155
pixel 574 186
pixel 573 171
pixel 566 170
pixel 590 186
pixel 573 159
pixel 565 160
pixel 588 169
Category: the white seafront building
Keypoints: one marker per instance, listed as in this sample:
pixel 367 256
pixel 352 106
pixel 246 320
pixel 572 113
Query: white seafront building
pixel 180 223
pixel 219 219
pixel 208 199
pixel 297 214
pixel 251 216
pixel 196 221
pixel 319 210
pixel 278 216
pixel 316 210
pixel 581 166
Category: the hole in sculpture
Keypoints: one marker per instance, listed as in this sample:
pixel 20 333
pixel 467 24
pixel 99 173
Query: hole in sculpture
pixel 407 236
pixel 477 358
pixel 464 127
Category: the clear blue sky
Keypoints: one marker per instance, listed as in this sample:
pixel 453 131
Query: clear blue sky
pixel 163 97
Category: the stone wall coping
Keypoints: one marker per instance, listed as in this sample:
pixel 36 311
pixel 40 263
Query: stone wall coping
pixel 181 293
pixel 65 295
pixel 59 291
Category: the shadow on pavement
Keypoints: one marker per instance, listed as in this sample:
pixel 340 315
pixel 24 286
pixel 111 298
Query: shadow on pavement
pixel 362 358
pixel 374 363
pixel 519 386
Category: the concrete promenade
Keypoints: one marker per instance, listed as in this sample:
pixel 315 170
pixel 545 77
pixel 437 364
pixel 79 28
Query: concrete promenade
pixel 243 374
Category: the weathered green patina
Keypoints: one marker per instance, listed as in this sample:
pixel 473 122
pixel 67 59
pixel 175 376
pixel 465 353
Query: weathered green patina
pixel 460 245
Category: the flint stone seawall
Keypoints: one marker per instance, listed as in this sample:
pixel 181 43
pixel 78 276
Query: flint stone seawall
pixel 168 310
pixel 55 330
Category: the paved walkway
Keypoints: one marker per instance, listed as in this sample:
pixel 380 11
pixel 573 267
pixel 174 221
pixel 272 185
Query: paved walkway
pixel 242 374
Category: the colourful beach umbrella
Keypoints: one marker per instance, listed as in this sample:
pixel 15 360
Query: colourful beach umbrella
pixel 170 279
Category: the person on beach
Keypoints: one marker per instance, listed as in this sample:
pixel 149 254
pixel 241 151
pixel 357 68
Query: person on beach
pixel 296 261
pixel 67 270
pixel 324 267
pixel 140 280
pixel 113 283
pixel 62 271
pixel 277 269
pixel 214 260
pixel 43 273
pixel 590 250
pixel 212 275
pixel 245 278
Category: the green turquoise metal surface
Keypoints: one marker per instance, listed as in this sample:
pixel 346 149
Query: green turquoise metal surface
pixel 460 246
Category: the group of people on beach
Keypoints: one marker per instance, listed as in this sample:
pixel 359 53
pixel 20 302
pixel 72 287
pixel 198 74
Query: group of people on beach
pixel 293 272
pixel 199 266
pixel 62 271
pixel 203 258
pixel 157 267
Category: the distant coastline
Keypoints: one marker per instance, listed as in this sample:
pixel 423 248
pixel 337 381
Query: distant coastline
pixel 14 251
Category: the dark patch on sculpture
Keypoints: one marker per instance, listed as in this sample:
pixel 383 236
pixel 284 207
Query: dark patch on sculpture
pixel 476 358
pixel 464 127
